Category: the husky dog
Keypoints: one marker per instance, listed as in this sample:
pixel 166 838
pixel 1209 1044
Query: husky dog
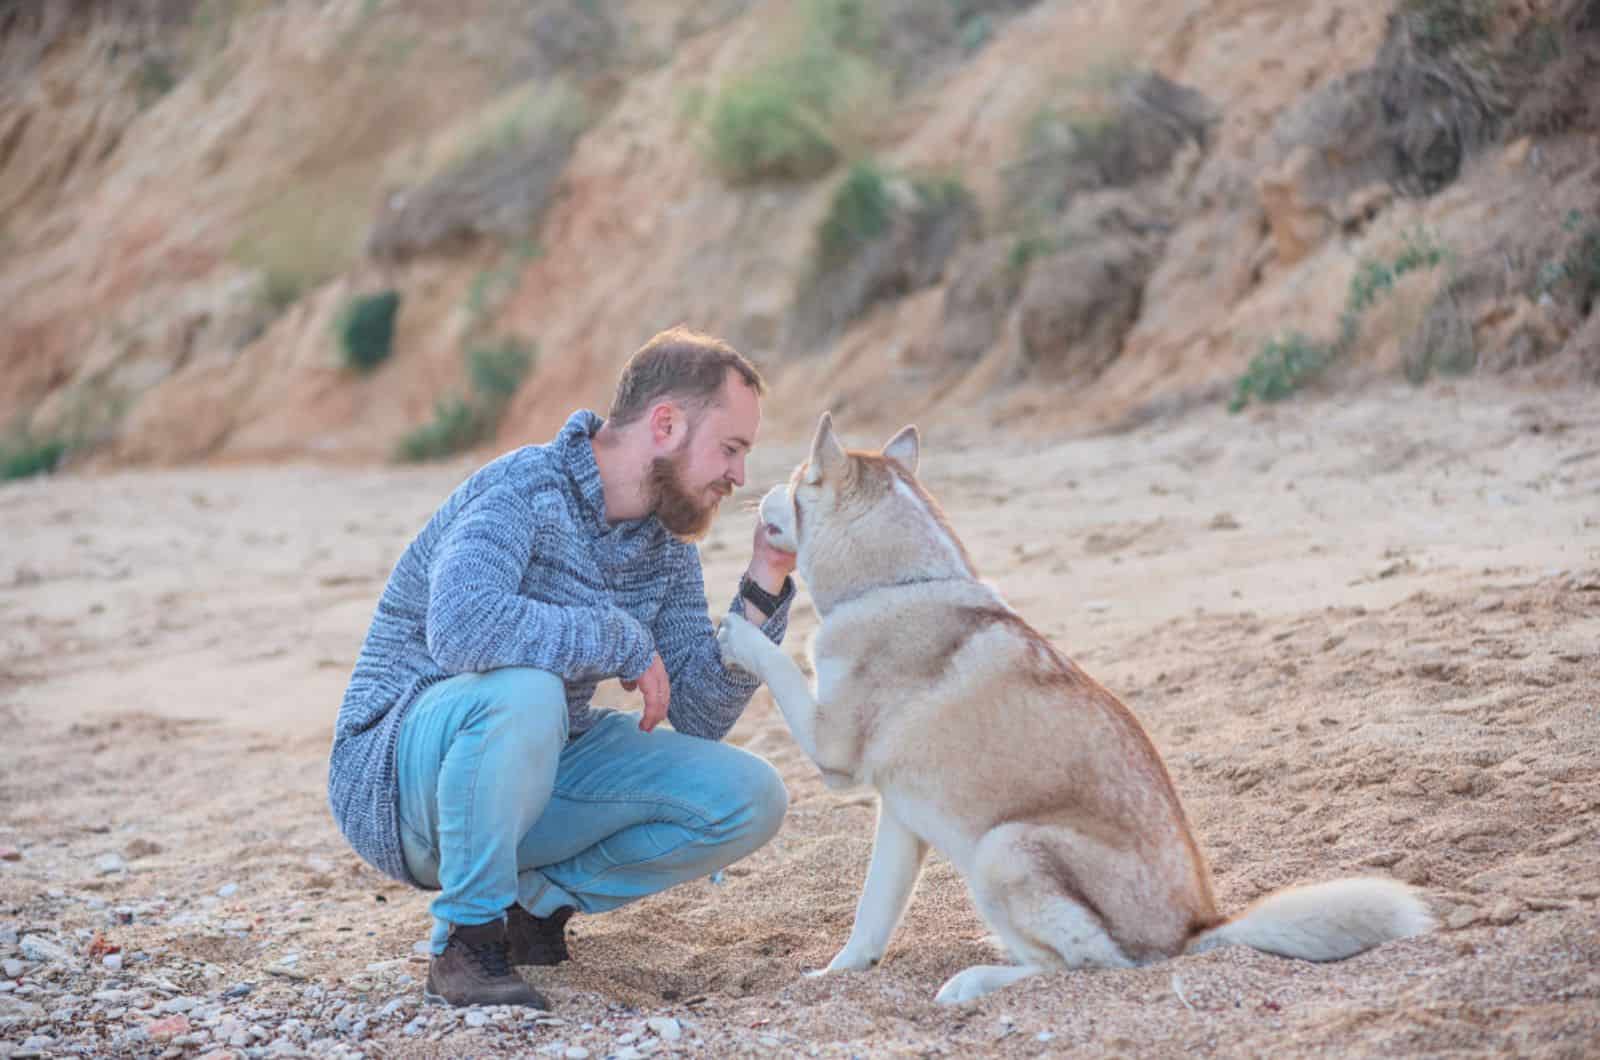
pixel 987 743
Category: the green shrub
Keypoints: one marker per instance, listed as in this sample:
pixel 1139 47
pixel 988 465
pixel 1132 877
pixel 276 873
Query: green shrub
pixel 796 115
pixel 24 455
pixel 497 370
pixel 155 78
pixel 1437 25
pixel 1283 366
pixel 456 425
pixel 855 25
pixel 1374 278
pixel 861 211
pixel 366 330
pixel 774 123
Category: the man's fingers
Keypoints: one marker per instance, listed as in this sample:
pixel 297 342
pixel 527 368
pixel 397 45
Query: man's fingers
pixel 655 712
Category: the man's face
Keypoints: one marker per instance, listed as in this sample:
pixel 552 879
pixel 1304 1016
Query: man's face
pixel 706 464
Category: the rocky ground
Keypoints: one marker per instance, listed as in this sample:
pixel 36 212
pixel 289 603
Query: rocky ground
pixel 1360 629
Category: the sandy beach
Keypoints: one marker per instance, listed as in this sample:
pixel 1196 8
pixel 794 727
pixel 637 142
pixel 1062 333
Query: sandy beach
pixel 1362 631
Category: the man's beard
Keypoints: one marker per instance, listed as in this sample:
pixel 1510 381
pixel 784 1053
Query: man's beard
pixel 680 510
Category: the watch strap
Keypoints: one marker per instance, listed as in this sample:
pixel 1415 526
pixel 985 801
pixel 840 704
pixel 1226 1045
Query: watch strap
pixel 768 602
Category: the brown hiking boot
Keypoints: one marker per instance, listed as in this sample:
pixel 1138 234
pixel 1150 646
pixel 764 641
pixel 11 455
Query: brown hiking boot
pixel 537 939
pixel 473 970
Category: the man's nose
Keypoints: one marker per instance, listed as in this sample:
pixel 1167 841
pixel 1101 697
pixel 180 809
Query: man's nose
pixel 737 471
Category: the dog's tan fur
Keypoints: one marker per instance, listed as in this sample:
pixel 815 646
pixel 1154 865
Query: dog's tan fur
pixel 983 740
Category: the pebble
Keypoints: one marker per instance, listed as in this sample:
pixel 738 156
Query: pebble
pixel 13 968
pixel 108 864
pixel 164 1030
pixel 576 1052
pixel 475 1018
pixel 227 890
pixel 39 948
pixel 666 1028
pixel 10 854
pixel 112 962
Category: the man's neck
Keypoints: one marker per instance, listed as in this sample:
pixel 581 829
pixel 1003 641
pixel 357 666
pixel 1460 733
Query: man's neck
pixel 621 478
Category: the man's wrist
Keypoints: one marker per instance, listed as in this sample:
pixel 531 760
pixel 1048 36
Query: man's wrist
pixel 771 581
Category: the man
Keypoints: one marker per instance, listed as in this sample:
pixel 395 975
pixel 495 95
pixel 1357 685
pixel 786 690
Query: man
pixel 466 756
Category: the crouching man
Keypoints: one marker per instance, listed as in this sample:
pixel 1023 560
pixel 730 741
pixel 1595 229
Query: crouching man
pixel 466 756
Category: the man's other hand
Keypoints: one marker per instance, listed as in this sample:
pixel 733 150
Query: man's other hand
pixel 657 692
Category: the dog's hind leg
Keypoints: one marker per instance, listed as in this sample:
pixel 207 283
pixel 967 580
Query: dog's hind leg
pixel 1022 888
pixel 897 856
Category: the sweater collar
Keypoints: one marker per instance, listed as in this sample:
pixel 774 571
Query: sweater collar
pixel 577 454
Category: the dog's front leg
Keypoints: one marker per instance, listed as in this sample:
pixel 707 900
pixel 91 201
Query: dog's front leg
pixel 897 856
pixel 747 647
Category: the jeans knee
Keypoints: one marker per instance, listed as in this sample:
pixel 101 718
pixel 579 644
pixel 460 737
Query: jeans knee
pixel 768 802
pixel 529 703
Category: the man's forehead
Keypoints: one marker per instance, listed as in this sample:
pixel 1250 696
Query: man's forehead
pixel 738 416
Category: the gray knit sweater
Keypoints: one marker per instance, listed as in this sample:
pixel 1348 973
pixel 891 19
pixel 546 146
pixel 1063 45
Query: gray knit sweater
pixel 519 567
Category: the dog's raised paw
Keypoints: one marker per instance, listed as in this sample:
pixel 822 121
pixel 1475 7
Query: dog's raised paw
pixel 730 636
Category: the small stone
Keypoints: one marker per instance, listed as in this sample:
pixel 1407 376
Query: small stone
pixel 475 1018
pixel 1044 1036
pixel 15 1010
pixel 415 1027
pixel 627 1039
pixel 112 962
pixel 238 990
pixel 665 1027
pixel 423 948
pixel 227 890
pixel 164 1030
pixel 218 1054
pixel 108 864
pixel 8 935
pixel 178 1004
pixel 13 968
pixel 576 1052
pixel 627 1052
pixel 1505 911
pixel 39 948
pixel 10 854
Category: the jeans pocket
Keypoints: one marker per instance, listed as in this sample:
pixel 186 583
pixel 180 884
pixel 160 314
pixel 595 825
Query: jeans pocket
pixel 421 855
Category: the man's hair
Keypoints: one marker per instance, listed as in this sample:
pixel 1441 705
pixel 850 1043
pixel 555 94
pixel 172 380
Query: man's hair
pixel 681 364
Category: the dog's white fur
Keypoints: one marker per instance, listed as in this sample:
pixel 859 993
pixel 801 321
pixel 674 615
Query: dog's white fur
pixel 983 741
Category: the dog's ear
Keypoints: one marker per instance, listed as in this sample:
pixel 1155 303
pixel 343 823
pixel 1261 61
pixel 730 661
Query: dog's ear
pixel 905 447
pixel 827 455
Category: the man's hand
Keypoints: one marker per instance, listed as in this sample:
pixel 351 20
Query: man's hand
pixel 657 692
pixel 769 567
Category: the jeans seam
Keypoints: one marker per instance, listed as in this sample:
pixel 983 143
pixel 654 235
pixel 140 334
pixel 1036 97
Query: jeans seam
pixel 699 815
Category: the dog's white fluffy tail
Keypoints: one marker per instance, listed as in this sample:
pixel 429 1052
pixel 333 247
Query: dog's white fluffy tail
pixel 1323 921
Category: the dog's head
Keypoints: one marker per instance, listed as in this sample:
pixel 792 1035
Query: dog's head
pixel 859 518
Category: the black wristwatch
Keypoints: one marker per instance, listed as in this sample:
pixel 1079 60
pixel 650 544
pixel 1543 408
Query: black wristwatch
pixel 750 590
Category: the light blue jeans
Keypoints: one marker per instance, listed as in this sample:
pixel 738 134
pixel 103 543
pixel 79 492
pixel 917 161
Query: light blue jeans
pixel 497 806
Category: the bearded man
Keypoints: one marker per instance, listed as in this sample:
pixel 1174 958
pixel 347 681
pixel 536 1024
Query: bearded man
pixel 466 755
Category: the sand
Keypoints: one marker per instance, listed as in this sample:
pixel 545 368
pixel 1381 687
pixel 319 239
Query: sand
pixel 1362 631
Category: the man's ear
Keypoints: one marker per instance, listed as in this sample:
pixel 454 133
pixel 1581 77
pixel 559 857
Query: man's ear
pixel 667 424
pixel 905 447
pixel 827 455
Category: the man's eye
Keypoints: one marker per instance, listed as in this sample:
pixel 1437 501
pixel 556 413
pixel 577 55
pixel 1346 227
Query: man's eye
pixel 730 450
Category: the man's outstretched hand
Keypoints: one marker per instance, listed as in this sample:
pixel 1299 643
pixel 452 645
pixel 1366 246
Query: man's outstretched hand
pixel 657 692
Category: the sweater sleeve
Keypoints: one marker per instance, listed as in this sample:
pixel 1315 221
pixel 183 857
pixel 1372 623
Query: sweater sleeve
pixel 707 697
pixel 477 619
